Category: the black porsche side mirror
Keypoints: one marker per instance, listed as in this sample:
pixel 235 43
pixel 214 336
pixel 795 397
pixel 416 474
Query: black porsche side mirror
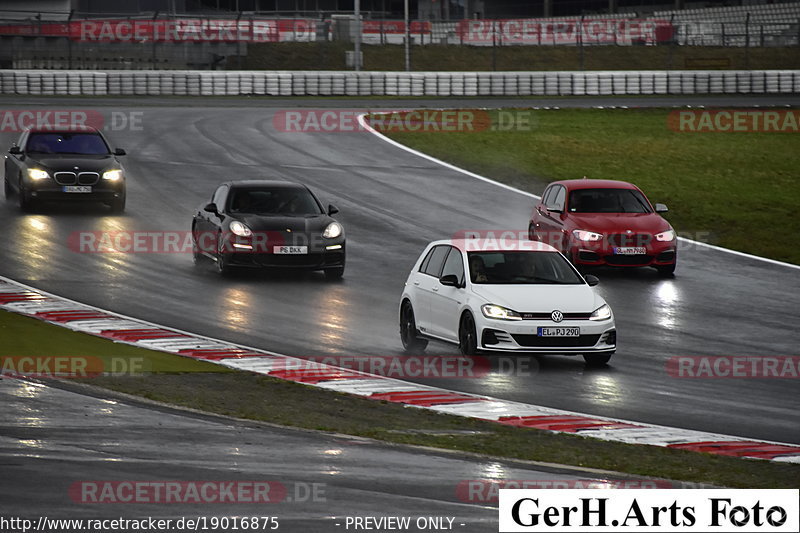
pixel 591 280
pixel 332 209
pixel 16 150
pixel 211 208
pixel 120 151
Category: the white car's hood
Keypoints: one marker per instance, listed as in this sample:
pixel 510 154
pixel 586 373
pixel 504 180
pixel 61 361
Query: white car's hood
pixel 541 298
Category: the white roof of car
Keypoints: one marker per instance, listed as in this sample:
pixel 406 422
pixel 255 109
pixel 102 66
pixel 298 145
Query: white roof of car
pixel 495 241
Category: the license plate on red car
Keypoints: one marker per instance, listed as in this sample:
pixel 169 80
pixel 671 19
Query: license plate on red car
pixel 558 332
pixel 630 250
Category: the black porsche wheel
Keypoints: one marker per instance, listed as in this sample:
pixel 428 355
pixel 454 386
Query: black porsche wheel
pixel 467 337
pixel 334 273
pixel 222 261
pixel 408 330
pixel 597 359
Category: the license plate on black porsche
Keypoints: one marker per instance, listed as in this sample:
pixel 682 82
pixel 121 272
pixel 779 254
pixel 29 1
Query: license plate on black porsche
pixel 291 250
pixel 558 332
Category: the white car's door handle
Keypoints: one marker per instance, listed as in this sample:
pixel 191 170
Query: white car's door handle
pixel 436 289
pixel 416 283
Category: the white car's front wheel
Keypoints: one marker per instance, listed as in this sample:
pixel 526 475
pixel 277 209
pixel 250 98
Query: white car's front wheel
pixel 467 336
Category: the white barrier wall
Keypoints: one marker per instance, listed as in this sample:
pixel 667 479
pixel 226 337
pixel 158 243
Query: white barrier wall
pixel 347 83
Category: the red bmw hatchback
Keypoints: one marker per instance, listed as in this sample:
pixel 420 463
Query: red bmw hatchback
pixel 604 222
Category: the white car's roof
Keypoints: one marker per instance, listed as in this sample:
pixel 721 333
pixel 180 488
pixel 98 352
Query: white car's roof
pixel 495 242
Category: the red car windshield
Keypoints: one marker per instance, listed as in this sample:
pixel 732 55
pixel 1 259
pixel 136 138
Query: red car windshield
pixel 608 201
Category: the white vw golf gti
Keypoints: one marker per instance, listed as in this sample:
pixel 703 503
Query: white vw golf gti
pixel 505 296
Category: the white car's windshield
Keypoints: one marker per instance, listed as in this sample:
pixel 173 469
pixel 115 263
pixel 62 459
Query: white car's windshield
pixel 521 267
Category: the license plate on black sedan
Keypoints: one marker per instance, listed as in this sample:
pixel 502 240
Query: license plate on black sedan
pixel 78 188
pixel 558 332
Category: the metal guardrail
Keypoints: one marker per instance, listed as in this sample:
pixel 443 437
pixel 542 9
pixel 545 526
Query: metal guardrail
pixel 371 83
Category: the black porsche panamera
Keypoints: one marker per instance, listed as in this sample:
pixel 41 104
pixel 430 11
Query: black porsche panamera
pixel 268 224
pixel 72 163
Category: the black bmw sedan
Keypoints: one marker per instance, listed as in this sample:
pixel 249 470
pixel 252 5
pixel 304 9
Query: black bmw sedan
pixel 64 164
pixel 266 224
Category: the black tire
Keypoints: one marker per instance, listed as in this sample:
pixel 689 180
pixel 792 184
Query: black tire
pixel 8 190
pixel 408 330
pixel 197 256
pixel 597 359
pixel 467 336
pixel 26 203
pixel 666 270
pixel 117 205
pixel 531 233
pixel 221 262
pixel 334 273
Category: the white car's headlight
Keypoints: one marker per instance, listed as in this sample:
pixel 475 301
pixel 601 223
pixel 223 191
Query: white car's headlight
pixel 37 174
pixel 237 228
pixel 499 312
pixel 333 230
pixel 112 175
pixel 601 313
pixel 583 235
pixel 666 236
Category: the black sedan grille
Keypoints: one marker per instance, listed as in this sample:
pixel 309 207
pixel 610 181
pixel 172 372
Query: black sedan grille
pixel 88 178
pixel 632 239
pixel 73 178
pixel 534 341
pixel 66 178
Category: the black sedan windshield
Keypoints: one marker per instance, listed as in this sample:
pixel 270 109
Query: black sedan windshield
pixel 608 201
pixel 521 267
pixel 274 201
pixel 66 143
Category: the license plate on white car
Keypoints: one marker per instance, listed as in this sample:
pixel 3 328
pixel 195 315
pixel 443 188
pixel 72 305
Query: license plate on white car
pixel 630 250
pixel 558 332
pixel 78 188
pixel 293 250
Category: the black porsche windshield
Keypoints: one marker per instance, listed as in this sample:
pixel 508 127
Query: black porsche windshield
pixel 66 143
pixel 274 201
pixel 521 268
pixel 608 201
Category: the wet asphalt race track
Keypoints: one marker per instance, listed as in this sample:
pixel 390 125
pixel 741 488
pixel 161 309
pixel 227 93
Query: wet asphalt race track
pixel 57 447
pixel 392 203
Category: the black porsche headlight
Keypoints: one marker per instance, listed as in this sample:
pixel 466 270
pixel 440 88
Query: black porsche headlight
pixel 333 230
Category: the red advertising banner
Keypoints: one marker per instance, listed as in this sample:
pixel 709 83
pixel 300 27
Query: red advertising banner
pixel 566 31
pixel 178 30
